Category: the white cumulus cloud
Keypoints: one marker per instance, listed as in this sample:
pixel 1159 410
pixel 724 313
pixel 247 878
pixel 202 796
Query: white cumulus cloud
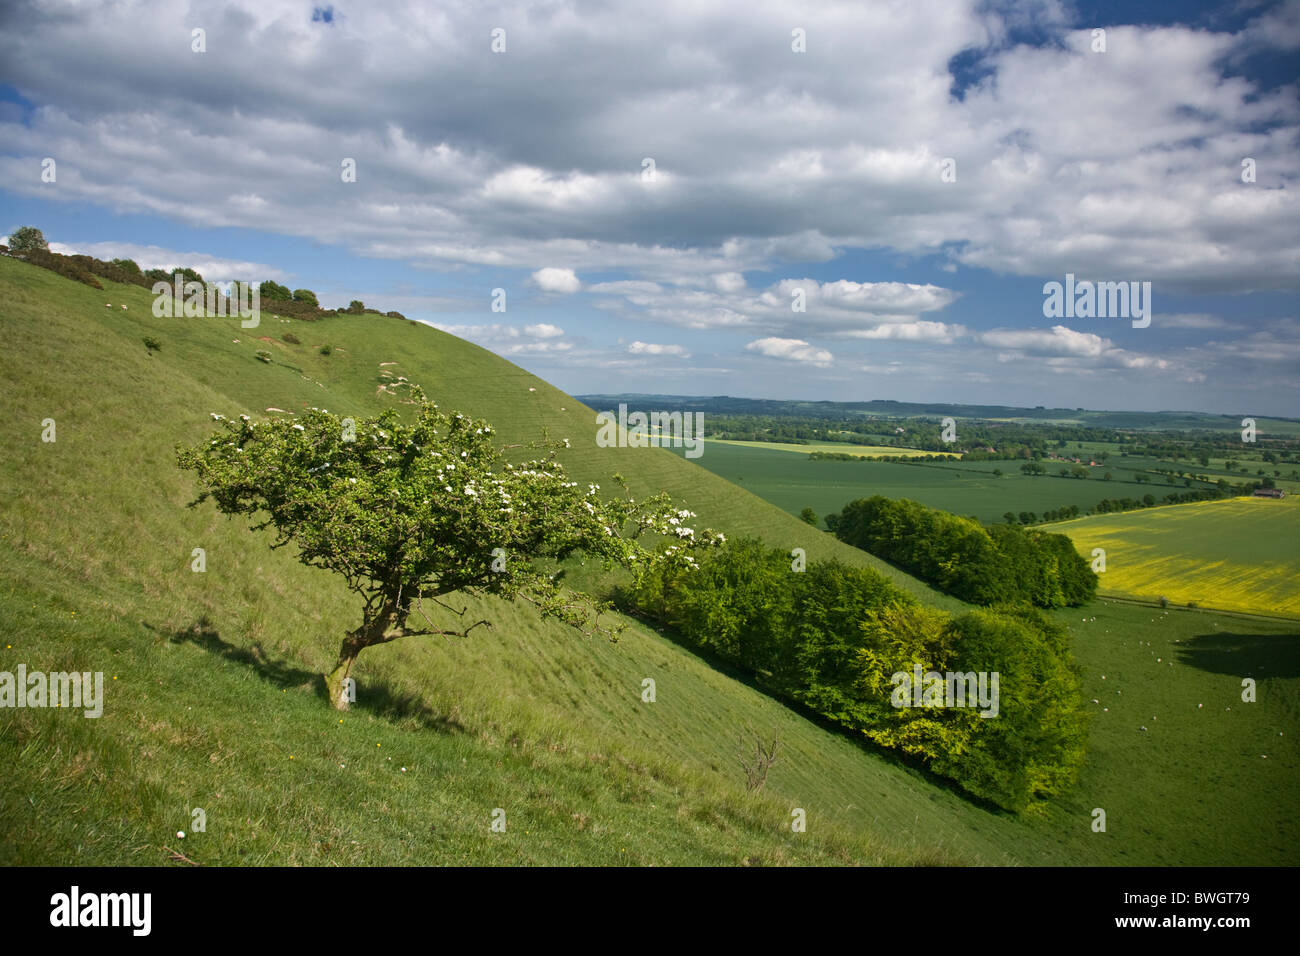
pixel 649 348
pixel 793 350
pixel 1059 341
pixel 552 279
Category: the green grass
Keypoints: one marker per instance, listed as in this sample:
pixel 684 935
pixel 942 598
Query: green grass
pixel 218 673
pixel 793 482
pixel 1205 782
pixel 200 720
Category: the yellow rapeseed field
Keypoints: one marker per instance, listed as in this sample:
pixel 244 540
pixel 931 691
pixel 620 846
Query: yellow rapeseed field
pixel 1242 554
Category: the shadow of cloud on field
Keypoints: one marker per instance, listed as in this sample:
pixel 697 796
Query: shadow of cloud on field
pixel 1243 655
pixel 375 697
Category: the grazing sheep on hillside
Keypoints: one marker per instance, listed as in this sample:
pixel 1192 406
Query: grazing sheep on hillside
pixel 108 305
pixel 123 308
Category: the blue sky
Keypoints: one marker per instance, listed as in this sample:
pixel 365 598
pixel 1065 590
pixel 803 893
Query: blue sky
pixel 916 173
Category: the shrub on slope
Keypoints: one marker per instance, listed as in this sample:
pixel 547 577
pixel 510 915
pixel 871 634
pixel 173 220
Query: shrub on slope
pixel 424 511
pixel 999 564
pixel 835 638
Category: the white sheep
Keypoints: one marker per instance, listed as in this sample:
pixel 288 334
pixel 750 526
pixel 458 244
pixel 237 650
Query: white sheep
pixel 123 308
pixel 108 305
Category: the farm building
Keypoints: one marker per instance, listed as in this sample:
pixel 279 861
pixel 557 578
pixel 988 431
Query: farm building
pixel 1269 493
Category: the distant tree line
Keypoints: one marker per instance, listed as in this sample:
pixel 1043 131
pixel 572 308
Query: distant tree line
pixel 978 440
pixel 1112 505
pixel 1204 447
pixel 983 439
pixel 833 636
pixel 1000 564
pixel 29 244
pixel 901 459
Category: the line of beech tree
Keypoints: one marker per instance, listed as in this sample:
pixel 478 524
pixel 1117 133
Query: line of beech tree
pixel 998 564
pixel 897 459
pixel 29 244
pixel 832 637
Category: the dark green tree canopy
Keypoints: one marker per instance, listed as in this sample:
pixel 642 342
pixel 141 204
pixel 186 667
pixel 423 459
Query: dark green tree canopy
pixel 268 290
pixel 959 556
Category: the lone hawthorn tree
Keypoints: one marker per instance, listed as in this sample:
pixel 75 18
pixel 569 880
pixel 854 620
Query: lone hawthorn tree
pixel 410 513
pixel 27 239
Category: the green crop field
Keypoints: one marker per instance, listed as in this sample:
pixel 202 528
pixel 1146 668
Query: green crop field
pixel 1236 555
pixel 793 482
pixel 831 446
pixel 213 696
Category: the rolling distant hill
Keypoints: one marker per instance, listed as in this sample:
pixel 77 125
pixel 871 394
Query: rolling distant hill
pixel 1127 420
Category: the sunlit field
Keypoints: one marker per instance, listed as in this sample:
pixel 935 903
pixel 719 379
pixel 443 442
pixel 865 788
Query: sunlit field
pixel 1235 555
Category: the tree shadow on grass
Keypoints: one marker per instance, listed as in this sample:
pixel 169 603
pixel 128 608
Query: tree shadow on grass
pixel 280 673
pixel 375 697
pixel 1243 655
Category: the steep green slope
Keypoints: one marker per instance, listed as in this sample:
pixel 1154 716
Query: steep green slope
pixel 94 526
pixel 217 673
pixel 368 352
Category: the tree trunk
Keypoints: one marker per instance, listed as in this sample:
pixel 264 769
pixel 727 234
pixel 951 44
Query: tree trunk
pixel 388 624
pixel 335 687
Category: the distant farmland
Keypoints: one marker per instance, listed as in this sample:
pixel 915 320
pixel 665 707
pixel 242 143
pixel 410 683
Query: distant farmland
pixel 1234 555
pixel 793 482
pixel 832 446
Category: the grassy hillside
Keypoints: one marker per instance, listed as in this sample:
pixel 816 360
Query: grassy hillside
pixel 96 543
pixel 208 365
pixel 214 699
pixel 1234 555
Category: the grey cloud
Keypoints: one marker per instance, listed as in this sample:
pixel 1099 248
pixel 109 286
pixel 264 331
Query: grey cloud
pixel 472 157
